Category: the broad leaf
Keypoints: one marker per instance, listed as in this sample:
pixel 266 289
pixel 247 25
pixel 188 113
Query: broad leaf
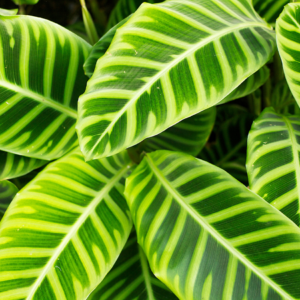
pixel 41 78
pixel 188 136
pixel 12 165
pixel 207 236
pixel 229 149
pixel 269 9
pixel 131 278
pixel 288 35
pixel 63 232
pixel 7 193
pixel 155 75
pixel 273 161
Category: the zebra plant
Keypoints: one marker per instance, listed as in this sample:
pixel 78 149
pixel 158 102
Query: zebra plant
pixel 160 163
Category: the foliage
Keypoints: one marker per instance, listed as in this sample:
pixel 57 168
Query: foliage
pixel 127 171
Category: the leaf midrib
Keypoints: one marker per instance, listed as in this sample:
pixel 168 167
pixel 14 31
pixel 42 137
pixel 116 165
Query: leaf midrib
pixel 91 207
pixel 204 224
pixel 173 64
pixel 41 98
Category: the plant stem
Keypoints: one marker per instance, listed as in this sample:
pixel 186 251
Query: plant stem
pixel 89 24
pixel 22 9
pixel 97 13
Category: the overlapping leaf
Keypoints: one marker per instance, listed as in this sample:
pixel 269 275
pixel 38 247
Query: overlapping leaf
pixel 273 164
pixel 63 232
pixel 7 192
pixel 131 278
pixel 288 35
pixel 270 9
pixel 41 78
pixel 155 75
pixel 207 236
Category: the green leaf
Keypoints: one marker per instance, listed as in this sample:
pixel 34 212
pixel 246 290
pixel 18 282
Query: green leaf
pixel 7 192
pixel 30 2
pixel 65 229
pixel 155 75
pixel 269 9
pixel 207 236
pixel 131 278
pixel 228 151
pixel 288 35
pixel 123 9
pixel 99 49
pixel 8 12
pixel 273 164
pixel 188 136
pixel 41 80
pixel 12 165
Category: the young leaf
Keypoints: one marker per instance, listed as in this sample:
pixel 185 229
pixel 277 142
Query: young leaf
pixel 64 231
pixel 207 236
pixel 12 165
pixel 188 136
pixel 40 82
pixel 155 75
pixel 7 192
pixel 273 164
pixel 288 35
pixel 229 150
pixel 269 9
pixel 131 278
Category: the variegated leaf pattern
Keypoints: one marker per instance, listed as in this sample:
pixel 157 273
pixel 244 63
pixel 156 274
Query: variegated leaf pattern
pixel 273 164
pixel 288 35
pixel 207 236
pixel 269 9
pixel 7 192
pixel 123 9
pixel 188 136
pixel 12 165
pixel 229 149
pixel 41 78
pixel 131 278
pixel 154 75
pixel 64 231
pixel 100 48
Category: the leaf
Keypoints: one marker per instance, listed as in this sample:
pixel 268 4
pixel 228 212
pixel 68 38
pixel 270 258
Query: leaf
pixel 131 278
pixel 8 12
pixel 188 136
pixel 288 34
pixel 273 161
pixel 269 9
pixel 207 236
pixel 40 82
pixel 65 229
pixel 99 49
pixel 154 75
pixel 7 192
pixel 229 149
pixel 12 165
pixel 30 2
pixel 123 9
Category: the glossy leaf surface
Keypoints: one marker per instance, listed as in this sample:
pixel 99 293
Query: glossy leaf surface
pixel 288 35
pixel 131 278
pixel 64 231
pixel 273 161
pixel 7 192
pixel 41 78
pixel 207 236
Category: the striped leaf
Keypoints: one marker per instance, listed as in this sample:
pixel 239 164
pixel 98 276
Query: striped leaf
pixel 229 149
pixel 273 161
pixel 155 75
pixel 123 9
pixel 12 165
pixel 269 9
pixel 288 35
pixel 7 192
pixel 41 78
pixel 188 136
pixel 63 232
pixel 207 236
pixel 131 278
